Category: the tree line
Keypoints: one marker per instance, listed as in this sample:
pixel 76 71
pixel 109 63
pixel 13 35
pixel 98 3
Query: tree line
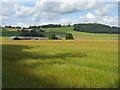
pixel 52 36
pixel 38 27
pixel 68 36
pixel 96 28
pixel 18 27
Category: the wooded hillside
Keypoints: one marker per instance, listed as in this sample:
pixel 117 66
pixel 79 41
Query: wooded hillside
pixel 96 28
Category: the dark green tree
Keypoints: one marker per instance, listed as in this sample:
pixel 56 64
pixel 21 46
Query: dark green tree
pixel 16 38
pixel 68 25
pixel 96 28
pixel 69 36
pixel 18 27
pixel 52 37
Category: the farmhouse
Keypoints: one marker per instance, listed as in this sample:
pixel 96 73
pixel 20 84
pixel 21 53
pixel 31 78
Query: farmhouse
pixel 46 31
pixel 44 38
pixel 12 37
pixel 58 37
pixel 27 38
pixel 21 38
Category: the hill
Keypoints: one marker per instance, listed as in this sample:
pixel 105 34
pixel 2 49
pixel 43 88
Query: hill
pixel 96 28
pixel 3 29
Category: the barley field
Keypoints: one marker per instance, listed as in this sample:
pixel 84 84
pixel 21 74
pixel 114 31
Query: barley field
pixel 79 63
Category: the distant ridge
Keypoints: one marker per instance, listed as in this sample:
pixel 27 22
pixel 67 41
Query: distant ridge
pixel 96 28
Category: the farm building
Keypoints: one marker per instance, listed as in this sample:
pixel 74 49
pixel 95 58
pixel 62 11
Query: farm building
pixel 44 38
pixel 27 38
pixel 12 37
pixel 46 31
pixel 21 38
pixel 58 37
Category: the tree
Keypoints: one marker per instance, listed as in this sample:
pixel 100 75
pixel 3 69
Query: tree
pixel 52 37
pixel 59 25
pixel 96 28
pixel 68 25
pixel 69 36
pixel 18 27
pixel 9 26
pixel 16 38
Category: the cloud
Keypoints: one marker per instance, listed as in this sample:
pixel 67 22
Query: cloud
pixel 8 9
pixel 39 16
pixel 65 21
pixel 62 21
pixel 112 21
pixel 51 12
pixel 104 10
pixel 63 7
pixel 23 11
pixel 89 18
pixel 46 23
pixel 60 0
pixel 22 24
pixel 92 18
pixel 4 18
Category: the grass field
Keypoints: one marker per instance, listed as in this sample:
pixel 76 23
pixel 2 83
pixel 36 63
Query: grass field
pixel 84 35
pixel 89 61
pixel 79 63
pixel 12 29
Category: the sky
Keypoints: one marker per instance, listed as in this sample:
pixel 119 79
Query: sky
pixel 41 12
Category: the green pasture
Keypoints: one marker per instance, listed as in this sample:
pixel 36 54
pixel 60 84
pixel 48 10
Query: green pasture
pixel 84 35
pixel 60 29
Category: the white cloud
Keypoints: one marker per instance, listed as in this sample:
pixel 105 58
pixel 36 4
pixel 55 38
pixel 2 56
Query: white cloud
pixel 46 23
pixel 91 18
pixel 52 10
pixel 104 10
pixel 22 24
pixel 39 16
pixel 112 21
pixel 65 21
pixel 8 9
pixel 24 11
pixel 59 0
pixel 46 10
pixel 4 18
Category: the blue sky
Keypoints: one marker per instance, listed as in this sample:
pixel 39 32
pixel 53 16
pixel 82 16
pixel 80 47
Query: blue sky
pixel 45 12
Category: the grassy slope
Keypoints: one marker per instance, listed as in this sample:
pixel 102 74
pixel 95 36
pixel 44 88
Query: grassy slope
pixel 12 29
pixel 76 63
pixel 83 35
pixel 3 29
pixel 61 29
